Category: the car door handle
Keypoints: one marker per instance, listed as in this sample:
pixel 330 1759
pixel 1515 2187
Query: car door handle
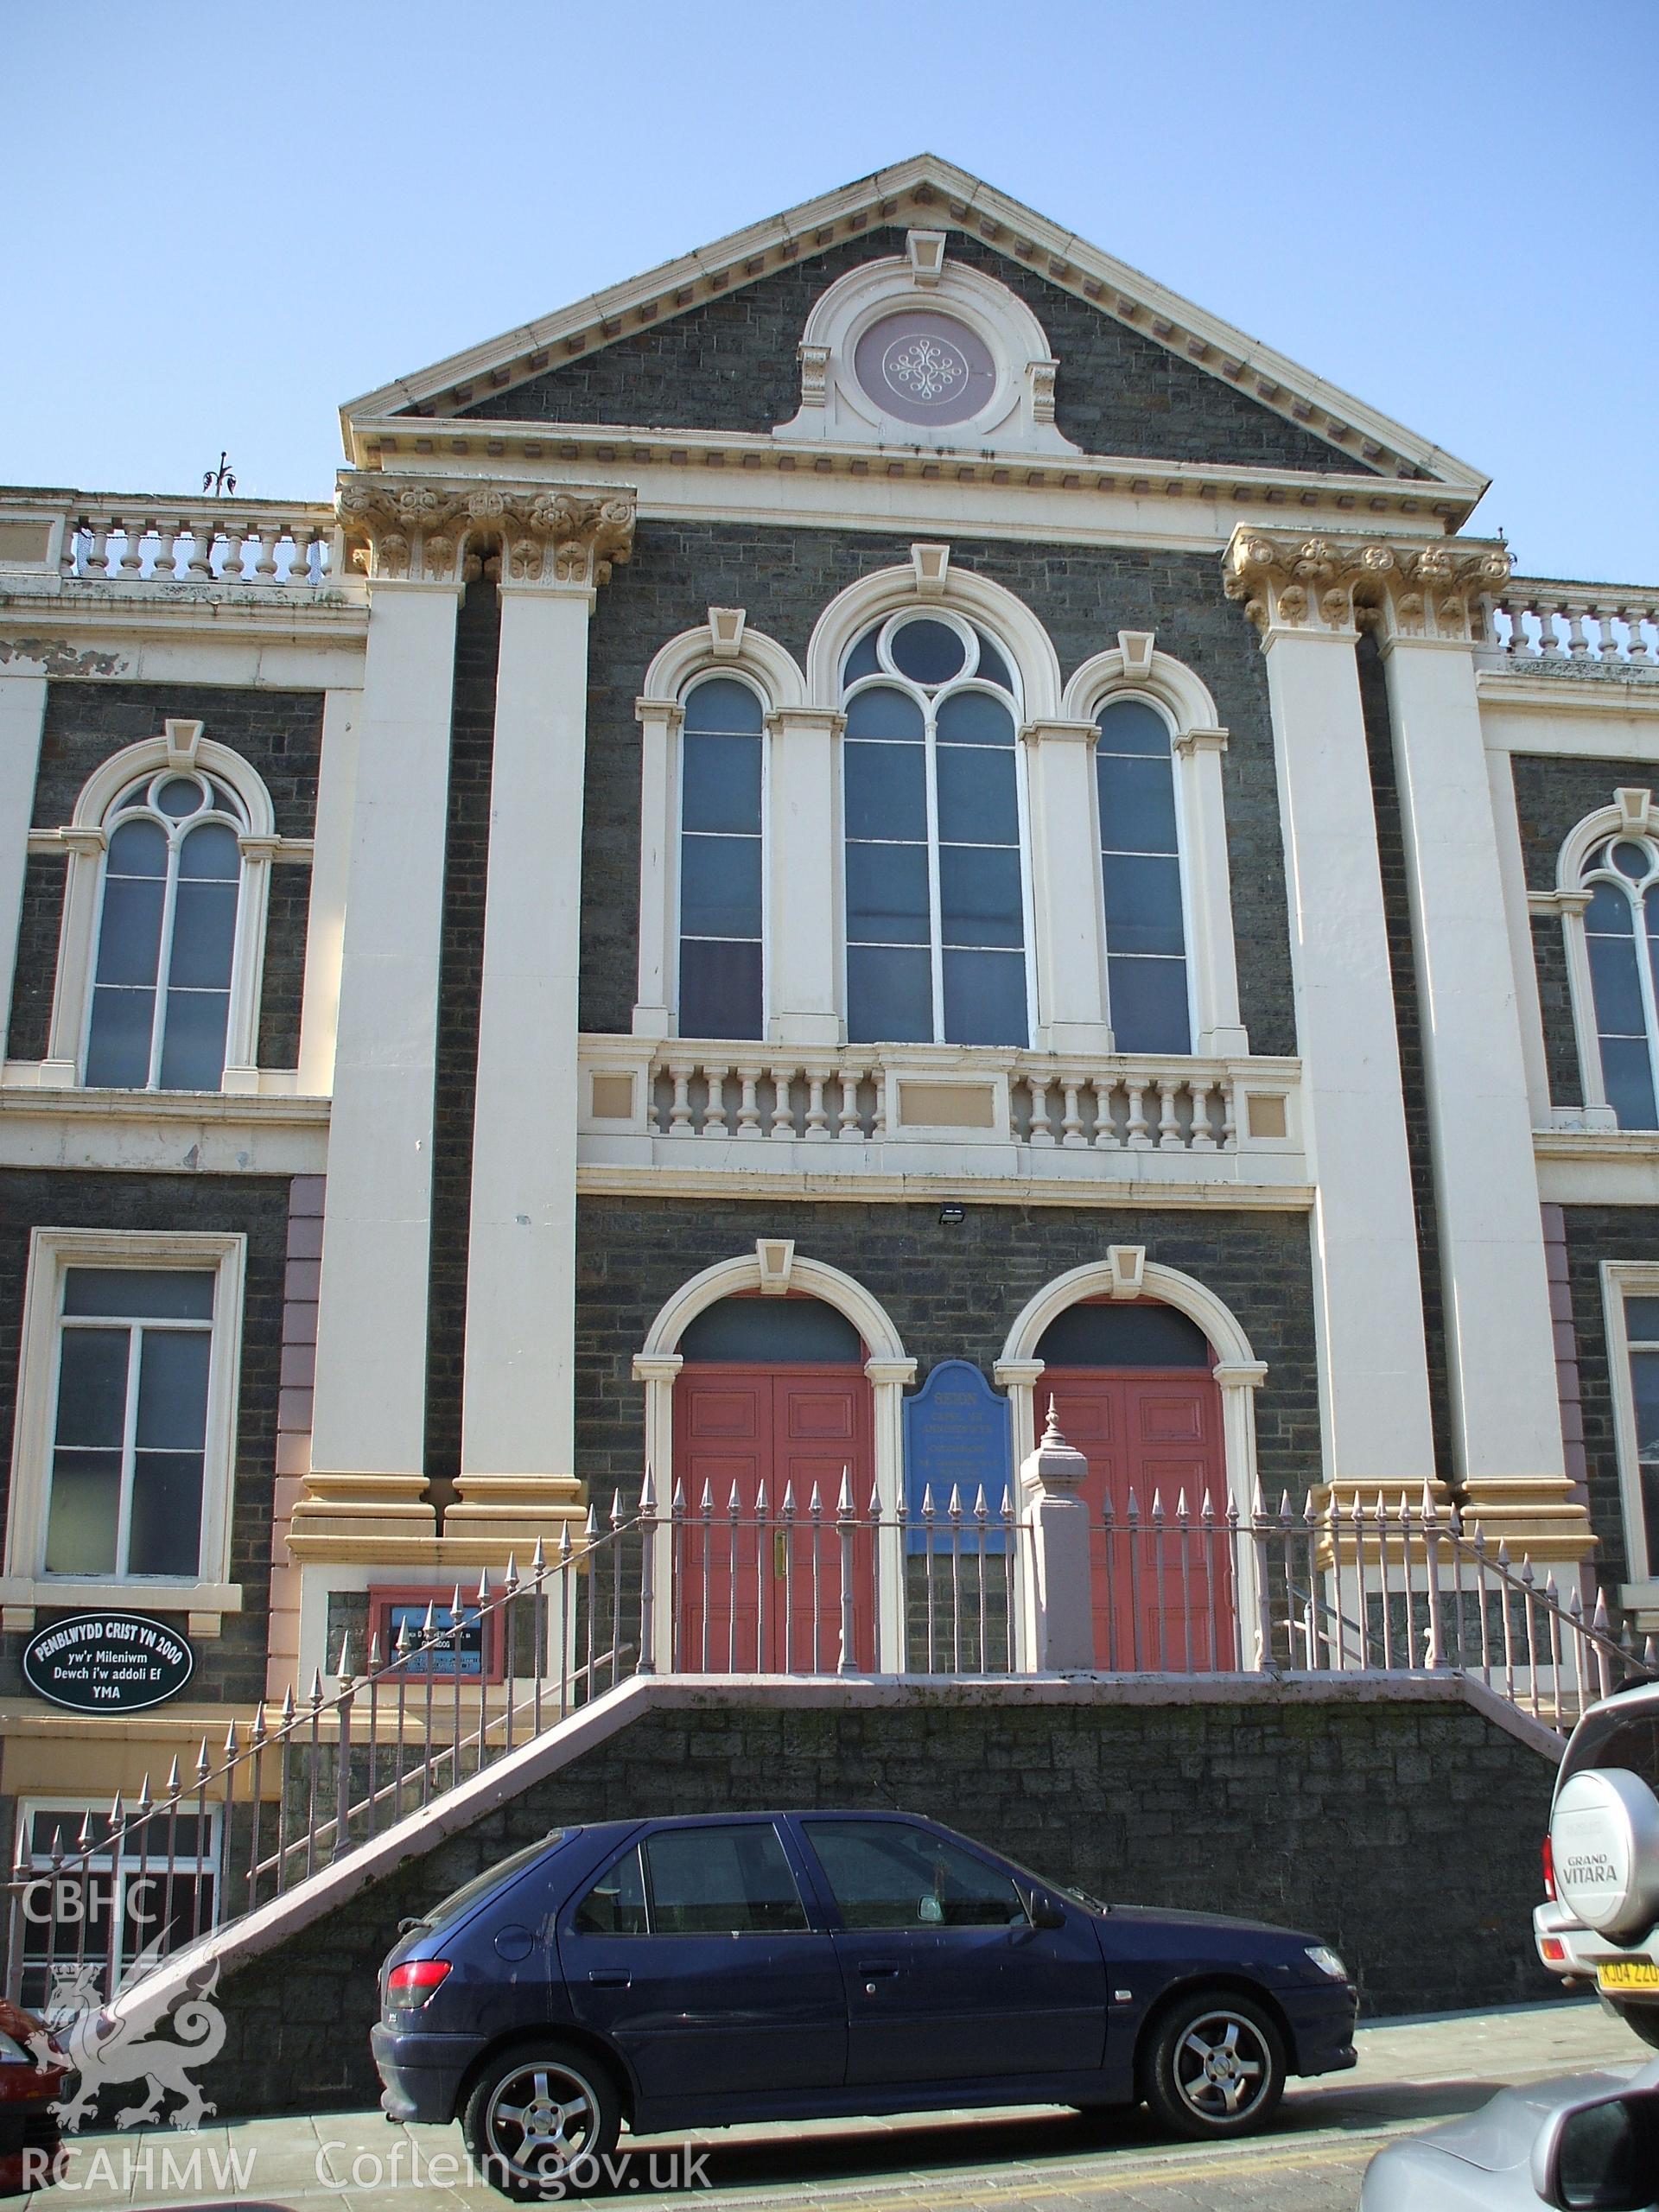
pixel 878 1966
pixel 610 1980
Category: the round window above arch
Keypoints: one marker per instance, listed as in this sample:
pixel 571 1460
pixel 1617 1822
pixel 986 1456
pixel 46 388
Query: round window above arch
pixel 926 348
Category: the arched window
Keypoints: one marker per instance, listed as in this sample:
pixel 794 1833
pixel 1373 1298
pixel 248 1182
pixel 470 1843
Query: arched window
pixel 936 880
pixel 722 986
pixel 1141 874
pixel 167 929
pixel 1621 930
pixel 721 751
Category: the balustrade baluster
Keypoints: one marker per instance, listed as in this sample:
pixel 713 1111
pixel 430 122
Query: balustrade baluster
pixel 98 552
pixel 748 1112
pixel 129 568
pixel 230 571
pixel 1577 645
pixel 1638 654
pixel 817 1122
pixel 679 1113
pixel 1137 1137
pixel 1072 1136
pixel 1169 1126
pixel 783 1111
pixel 1204 1135
pixel 265 535
pixel 1040 1134
pixel 1106 1138
pixel 714 1114
pixel 849 1128
pixel 199 566
pixel 1230 1117
pixel 1550 638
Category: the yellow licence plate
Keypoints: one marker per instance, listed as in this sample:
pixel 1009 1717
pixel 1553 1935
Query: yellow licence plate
pixel 1628 1974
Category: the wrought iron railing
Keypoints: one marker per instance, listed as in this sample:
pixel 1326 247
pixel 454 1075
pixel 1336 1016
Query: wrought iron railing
pixel 743 1587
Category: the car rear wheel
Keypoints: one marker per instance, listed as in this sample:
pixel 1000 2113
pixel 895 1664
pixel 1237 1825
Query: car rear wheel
pixel 541 2121
pixel 1641 2019
pixel 1216 2067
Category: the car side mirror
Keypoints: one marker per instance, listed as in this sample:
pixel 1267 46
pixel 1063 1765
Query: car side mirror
pixel 1041 1910
pixel 1602 2157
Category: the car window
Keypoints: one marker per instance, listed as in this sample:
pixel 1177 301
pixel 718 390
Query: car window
pixel 461 1900
pixel 720 1881
pixel 1626 1739
pixel 885 1875
pixel 616 1904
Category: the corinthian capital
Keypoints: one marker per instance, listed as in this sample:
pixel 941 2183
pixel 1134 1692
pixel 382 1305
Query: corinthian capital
pixel 414 530
pixel 573 536
pixel 1339 584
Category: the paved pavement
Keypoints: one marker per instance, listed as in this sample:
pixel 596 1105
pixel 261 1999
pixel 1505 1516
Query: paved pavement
pixel 1410 2074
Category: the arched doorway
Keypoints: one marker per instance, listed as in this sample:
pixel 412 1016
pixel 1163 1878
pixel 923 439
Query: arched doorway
pixel 1133 1387
pixel 772 1416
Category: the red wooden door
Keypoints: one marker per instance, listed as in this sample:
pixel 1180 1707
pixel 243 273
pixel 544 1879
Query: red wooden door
pixel 1163 1596
pixel 761 1592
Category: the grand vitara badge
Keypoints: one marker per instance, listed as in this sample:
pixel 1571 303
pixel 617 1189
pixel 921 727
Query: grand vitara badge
pixel 107 1663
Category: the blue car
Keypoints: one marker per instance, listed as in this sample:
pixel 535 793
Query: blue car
pixel 679 1975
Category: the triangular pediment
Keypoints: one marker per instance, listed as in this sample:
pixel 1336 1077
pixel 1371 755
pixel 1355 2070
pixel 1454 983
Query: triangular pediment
pixel 927 192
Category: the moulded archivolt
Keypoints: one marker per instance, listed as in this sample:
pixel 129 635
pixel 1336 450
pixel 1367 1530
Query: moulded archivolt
pixel 1017 415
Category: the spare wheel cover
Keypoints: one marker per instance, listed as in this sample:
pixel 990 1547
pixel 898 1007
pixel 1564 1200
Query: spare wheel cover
pixel 1605 1836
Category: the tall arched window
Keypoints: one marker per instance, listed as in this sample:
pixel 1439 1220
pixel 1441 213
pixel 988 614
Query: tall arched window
pixel 722 985
pixel 936 933
pixel 172 882
pixel 1141 874
pixel 1621 930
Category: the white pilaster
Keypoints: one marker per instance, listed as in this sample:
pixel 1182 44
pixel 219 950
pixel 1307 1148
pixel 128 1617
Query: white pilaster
pixel 371 1383
pixel 517 1415
pixel 23 717
pixel 1209 893
pixel 1374 1407
pixel 660 728
pixel 804 826
pixel 1066 887
pixel 325 933
pixel 1505 1417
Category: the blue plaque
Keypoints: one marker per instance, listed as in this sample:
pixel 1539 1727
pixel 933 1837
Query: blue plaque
pixel 958 1435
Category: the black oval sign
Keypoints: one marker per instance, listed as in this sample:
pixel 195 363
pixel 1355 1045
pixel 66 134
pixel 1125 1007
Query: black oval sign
pixel 107 1663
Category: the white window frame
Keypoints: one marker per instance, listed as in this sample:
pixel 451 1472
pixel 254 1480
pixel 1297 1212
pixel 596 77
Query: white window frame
pixel 183 749
pixel 1622 1278
pixel 1137 671
pixel 1632 816
pixel 888 677
pixel 677 779
pixel 25 1584
pixel 126 1866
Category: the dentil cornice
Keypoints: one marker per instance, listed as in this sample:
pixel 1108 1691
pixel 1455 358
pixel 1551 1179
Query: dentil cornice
pixel 415 530
pixel 1342 583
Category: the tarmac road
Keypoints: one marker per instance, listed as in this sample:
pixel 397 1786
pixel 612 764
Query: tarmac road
pixel 1410 2074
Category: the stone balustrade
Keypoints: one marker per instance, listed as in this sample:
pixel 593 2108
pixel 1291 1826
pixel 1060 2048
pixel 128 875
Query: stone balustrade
pixel 1610 625
pixel 56 540
pixel 968 1109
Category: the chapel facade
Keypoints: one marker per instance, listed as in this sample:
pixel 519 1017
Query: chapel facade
pixel 888 805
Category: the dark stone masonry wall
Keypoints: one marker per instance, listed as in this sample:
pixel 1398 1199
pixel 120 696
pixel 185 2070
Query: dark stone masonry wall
pixel 1084 596
pixel 1595 1234
pixel 278 732
pixel 1552 796
pixel 231 1665
pixel 952 1292
pixel 1321 1816
pixel 1407 1015
pixel 460 975
pixel 730 365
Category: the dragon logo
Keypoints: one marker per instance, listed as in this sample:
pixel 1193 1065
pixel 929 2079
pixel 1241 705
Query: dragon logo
pixel 106 2046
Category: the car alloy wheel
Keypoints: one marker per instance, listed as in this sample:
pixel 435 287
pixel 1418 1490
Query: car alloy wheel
pixel 541 2122
pixel 1218 2068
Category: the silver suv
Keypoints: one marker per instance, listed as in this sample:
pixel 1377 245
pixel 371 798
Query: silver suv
pixel 1601 1863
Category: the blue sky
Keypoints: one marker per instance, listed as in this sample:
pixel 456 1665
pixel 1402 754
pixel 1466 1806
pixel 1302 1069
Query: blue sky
pixel 245 215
